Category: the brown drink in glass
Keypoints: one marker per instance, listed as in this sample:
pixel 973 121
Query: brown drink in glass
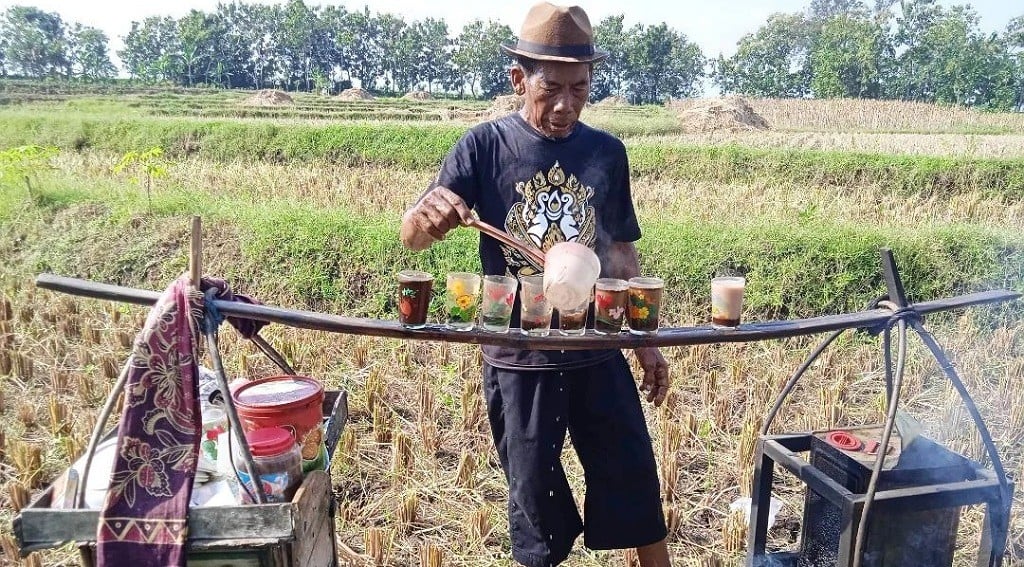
pixel 727 301
pixel 645 305
pixel 610 305
pixel 414 289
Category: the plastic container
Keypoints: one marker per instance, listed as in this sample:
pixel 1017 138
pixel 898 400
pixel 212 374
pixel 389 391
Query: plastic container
pixel 292 402
pixel 570 270
pixel 278 464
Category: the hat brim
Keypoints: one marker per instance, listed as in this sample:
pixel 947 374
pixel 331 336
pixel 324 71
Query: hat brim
pixel 513 51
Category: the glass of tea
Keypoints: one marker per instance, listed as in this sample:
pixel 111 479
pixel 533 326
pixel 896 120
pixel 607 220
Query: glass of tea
pixel 414 289
pixel 499 296
pixel 645 305
pixel 610 305
pixel 573 322
pixel 727 301
pixel 534 309
pixel 462 300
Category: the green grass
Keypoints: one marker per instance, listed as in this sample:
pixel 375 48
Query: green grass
pixel 332 260
pixel 423 146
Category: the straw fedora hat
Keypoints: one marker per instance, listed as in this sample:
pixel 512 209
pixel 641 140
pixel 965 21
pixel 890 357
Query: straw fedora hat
pixel 556 33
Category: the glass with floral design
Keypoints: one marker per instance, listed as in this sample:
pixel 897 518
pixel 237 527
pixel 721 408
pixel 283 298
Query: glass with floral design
pixel 499 296
pixel 644 305
pixel 610 296
pixel 414 298
pixel 462 300
pixel 535 311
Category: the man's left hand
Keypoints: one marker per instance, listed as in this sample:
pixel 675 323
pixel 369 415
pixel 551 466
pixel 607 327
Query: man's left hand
pixel 656 380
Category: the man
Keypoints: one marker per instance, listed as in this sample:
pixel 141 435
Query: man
pixel 547 178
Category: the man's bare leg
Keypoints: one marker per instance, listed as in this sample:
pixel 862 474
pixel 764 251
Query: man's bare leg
pixel 654 555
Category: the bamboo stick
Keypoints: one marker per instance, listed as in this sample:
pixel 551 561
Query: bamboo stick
pixel 195 252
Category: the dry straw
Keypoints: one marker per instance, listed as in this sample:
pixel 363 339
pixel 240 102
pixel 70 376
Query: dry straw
pixel 734 532
pixel 18 495
pixel 431 556
pixel 472 405
pixel 10 548
pixel 383 424
pixel 378 545
pixel 28 461
pixel 407 512
pixel 401 456
pixel 479 528
pixel 465 475
pixel 59 423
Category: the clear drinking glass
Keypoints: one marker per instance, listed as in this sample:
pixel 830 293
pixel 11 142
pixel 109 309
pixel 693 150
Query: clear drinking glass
pixel 727 301
pixel 645 305
pixel 610 298
pixel 573 322
pixel 534 309
pixel 462 300
pixel 499 296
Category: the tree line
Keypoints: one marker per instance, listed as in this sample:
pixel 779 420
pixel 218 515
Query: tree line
pixel 911 50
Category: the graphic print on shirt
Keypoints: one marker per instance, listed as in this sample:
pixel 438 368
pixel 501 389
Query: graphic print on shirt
pixel 554 208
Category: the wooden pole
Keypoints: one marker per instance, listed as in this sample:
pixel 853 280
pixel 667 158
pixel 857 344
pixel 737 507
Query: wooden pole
pixel 195 252
pixel 669 336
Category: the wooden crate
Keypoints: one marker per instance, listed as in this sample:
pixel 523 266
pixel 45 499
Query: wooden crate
pixel 299 533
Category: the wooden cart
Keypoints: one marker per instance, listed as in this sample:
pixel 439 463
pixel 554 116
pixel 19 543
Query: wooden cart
pixel 299 533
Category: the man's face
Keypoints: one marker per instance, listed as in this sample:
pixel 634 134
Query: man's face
pixel 554 95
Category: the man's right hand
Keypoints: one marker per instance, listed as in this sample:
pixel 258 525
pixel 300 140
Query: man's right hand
pixel 429 220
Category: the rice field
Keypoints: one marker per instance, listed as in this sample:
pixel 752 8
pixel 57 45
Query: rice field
pixel 416 478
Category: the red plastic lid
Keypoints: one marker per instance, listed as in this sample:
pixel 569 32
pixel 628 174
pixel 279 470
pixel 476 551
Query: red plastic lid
pixel 277 391
pixel 844 440
pixel 269 441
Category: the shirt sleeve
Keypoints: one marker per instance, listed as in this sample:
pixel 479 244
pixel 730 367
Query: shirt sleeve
pixel 459 170
pixel 619 216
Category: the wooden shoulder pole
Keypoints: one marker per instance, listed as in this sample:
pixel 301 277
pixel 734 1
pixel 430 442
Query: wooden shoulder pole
pixel 195 252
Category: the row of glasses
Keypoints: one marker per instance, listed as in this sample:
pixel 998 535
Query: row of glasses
pixel 469 297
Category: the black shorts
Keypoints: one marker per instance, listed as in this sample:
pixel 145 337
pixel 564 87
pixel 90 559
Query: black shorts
pixel 600 407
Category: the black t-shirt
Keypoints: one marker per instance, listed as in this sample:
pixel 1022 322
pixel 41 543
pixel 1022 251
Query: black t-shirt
pixel 543 190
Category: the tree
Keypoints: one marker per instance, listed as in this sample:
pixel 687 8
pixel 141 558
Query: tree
pixel 152 50
pixel 197 35
pixel 825 10
pixel 401 44
pixel 87 53
pixel 478 60
pixel 771 62
pixel 610 78
pixel 434 60
pixel 661 63
pixel 362 46
pixel 848 58
pixel 1013 38
pixel 34 42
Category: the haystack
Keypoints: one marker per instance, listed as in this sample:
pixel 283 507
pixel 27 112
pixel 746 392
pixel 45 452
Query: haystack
pixel 269 97
pixel 613 100
pixel 355 94
pixel 730 114
pixel 417 95
pixel 504 104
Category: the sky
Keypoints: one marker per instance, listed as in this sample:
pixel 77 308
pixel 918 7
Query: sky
pixel 714 26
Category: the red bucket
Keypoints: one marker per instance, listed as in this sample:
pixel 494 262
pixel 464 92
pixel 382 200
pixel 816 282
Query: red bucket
pixel 292 402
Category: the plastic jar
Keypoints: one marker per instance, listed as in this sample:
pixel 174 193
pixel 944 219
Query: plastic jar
pixel 292 402
pixel 278 463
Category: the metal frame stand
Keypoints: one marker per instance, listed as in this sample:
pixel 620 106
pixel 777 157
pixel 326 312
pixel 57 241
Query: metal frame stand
pixel 990 487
